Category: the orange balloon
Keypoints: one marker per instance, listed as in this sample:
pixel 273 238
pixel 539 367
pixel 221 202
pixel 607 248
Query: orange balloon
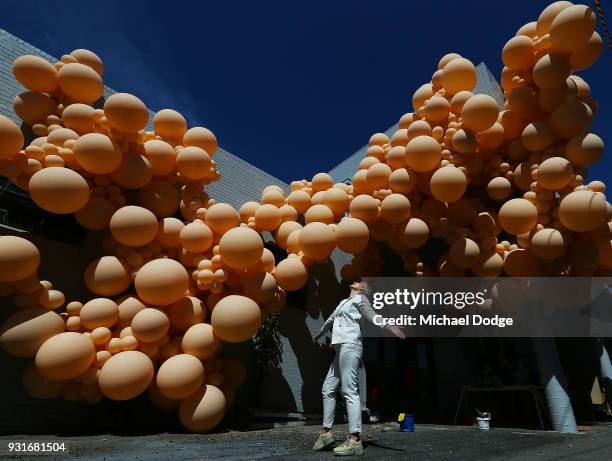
pixel 202 138
pixel 547 244
pixel 446 59
pixel 570 119
pixel 336 200
pixel 160 197
pixel 458 75
pixel 235 318
pixel 518 216
pixel 65 356
pixel 448 184
pixel 89 58
pixel 551 71
pixel 161 282
pixel 548 15
pixel 180 376
pixel 126 112
pixel 402 181
pixel 518 53
pixel 499 188
pixel 418 128
pixel 19 258
pixel 318 213
pixel 421 95
pixel 584 149
pixel 395 208
pixel 161 155
pixel 241 248
pixel 27 329
pixel 59 190
pixel 133 226
pixel 299 200
pixel 247 210
pixel 186 312
pixel 97 154
pixel 583 210
pixel 134 172
pixel 35 73
pixel 291 274
pixel 537 136
pixel 480 112
pixel 586 55
pixel 169 123
pixel 415 233
pixel 221 217
pixel 423 153
pixel 555 173
pixel 107 276
pixel 193 163
pixel 464 253
pixel 78 117
pixel 352 235
pixel 317 240
pixel 33 107
pixel 99 312
pixel 437 109
pixel 283 231
pixel 196 237
pixel 268 217
pixel 11 138
pixel 458 100
pixel 200 341
pixel 168 233
pixel 40 387
pixel 364 207
pixel 572 28
pixel 149 325
pixel 203 410
pixel 80 82
pixel 126 375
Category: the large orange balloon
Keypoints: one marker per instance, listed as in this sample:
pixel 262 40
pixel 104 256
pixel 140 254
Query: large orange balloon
pixel 555 173
pixel 126 375
pixel 415 233
pixel 169 232
pixel 11 138
pixel 448 184
pixel 97 154
pixel 59 190
pixel 584 149
pixel 352 235
pixel 236 318
pixel 27 329
pixel 161 155
pixel 317 240
pixel 107 276
pixel 180 376
pixel 33 107
pixel 193 163
pixel 65 356
pixel 268 217
pixel 395 208
pixel 202 138
pixel 291 274
pixel 423 153
pixel 19 258
pixel 89 58
pixel 283 232
pixel 203 410
pixel 134 172
pixel 200 341
pixel 260 286
pixel 572 28
pixel 128 306
pixel 35 73
pixel 78 117
pixel 80 82
pixel 161 282
pixel 480 112
pixel 160 197
pixel 583 210
pixel 149 325
pixel 458 75
pixel 196 237
pixel 570 119
pixel 186 312
pixel 551 71
pixel 537 136
pixel 518 216
pixel 221 217
pixel 126 112
pixel 547 244
pixel 241 248
pixel 299 200
pixel 464 253
pixel 133 226
pixel 518 53
pixel 585 56
pixel 99 312
pixel 169 123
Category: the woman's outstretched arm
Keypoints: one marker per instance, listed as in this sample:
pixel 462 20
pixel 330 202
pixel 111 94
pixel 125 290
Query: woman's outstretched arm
pixel 368 312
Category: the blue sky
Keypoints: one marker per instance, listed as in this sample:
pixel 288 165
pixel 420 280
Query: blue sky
pixel 293 88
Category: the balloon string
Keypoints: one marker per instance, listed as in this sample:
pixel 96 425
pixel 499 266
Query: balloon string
pixel 602 20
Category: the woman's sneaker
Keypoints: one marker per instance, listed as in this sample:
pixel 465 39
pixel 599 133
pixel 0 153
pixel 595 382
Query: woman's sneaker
pixel 349 448
pixel 325 440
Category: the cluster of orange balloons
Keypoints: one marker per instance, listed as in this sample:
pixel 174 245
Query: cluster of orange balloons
pixel 501 190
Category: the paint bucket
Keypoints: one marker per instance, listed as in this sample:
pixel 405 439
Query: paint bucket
pixel 484 422
pixel 406 422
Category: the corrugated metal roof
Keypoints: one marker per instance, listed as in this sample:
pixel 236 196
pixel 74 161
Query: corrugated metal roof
pixel 240 181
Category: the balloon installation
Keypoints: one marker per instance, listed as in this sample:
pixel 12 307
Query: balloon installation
pixel 502 188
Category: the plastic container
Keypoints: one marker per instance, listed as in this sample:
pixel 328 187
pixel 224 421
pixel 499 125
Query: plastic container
pixel 406 422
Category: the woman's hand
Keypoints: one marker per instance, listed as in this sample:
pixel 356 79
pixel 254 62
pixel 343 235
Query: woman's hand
pixel 396 331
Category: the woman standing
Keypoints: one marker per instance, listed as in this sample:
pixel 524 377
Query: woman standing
pixel 345 323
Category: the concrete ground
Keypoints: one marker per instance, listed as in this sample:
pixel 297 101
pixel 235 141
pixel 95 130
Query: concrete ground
pixel 428 442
